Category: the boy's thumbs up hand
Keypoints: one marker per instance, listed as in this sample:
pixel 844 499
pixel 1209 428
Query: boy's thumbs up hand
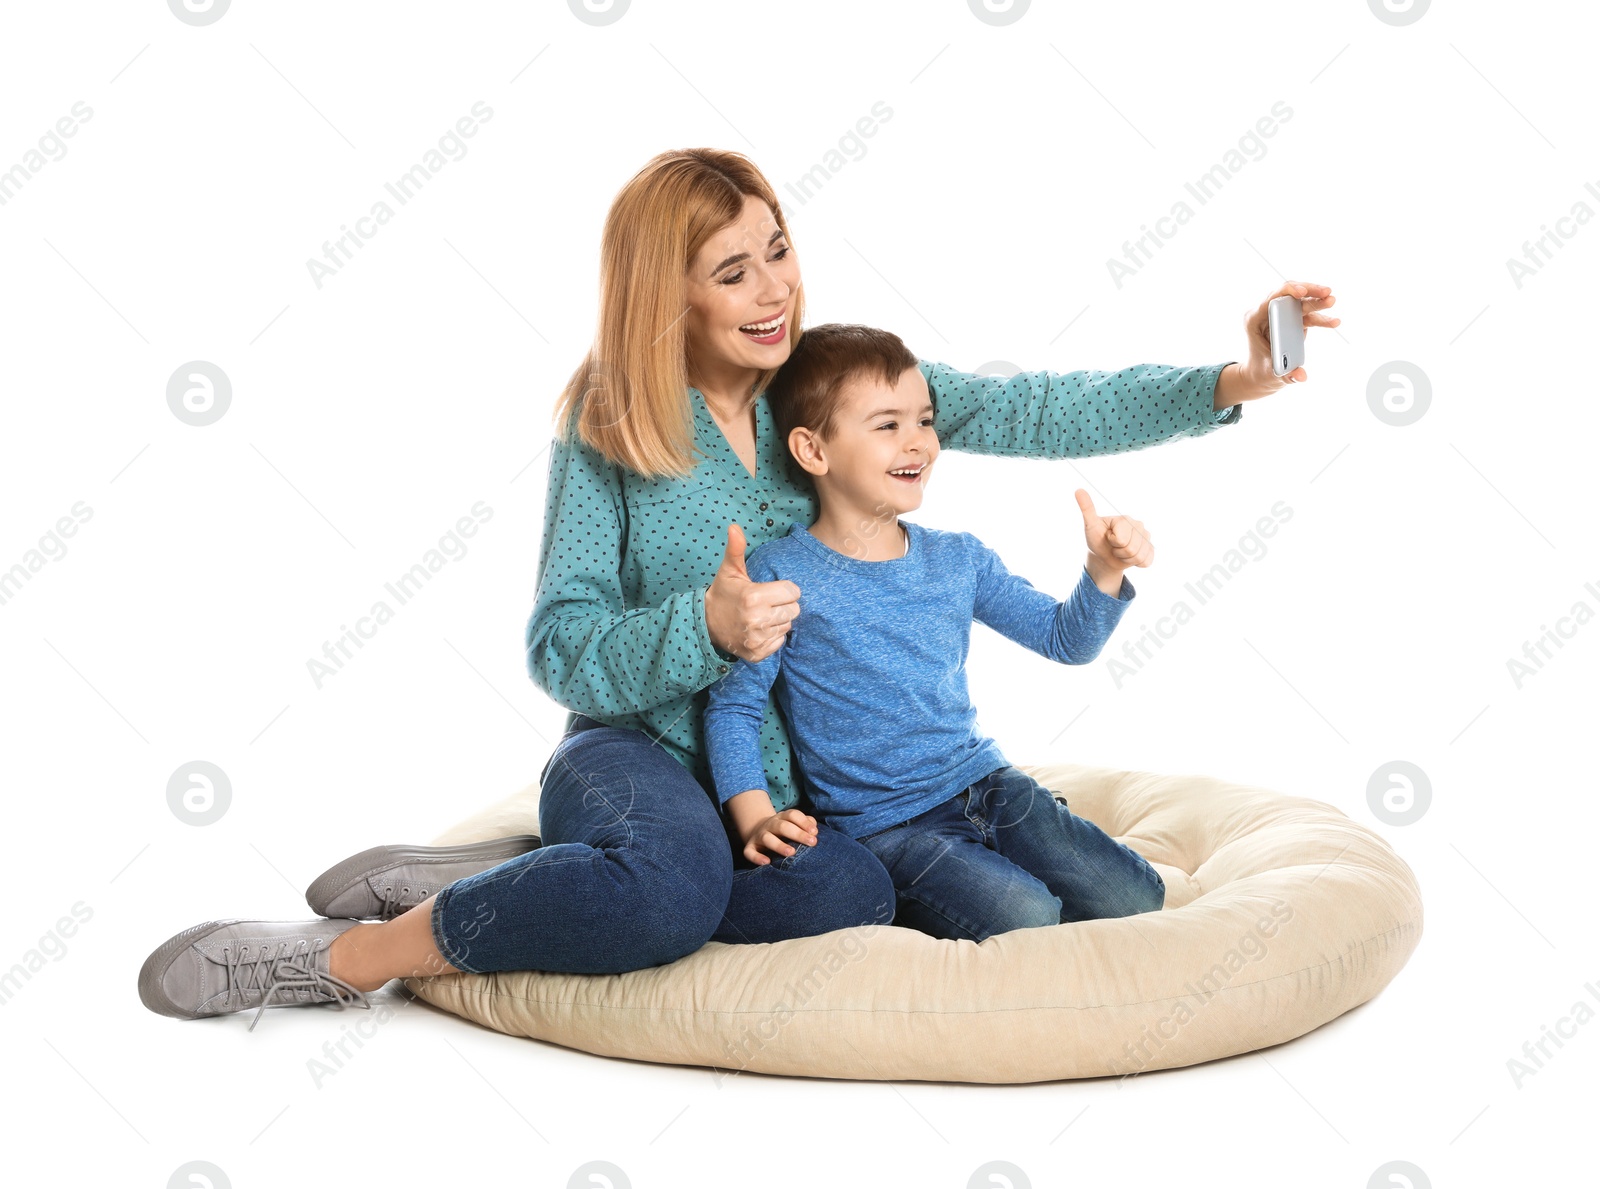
pixel 1118 542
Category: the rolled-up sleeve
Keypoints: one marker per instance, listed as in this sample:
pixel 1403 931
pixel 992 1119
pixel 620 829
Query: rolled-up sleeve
pixel 586 648
pixel 1046 414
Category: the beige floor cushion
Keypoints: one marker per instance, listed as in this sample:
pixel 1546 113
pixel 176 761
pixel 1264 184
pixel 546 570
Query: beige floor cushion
pixel 1281 914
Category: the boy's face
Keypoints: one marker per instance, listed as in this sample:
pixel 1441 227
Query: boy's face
pixel 879 430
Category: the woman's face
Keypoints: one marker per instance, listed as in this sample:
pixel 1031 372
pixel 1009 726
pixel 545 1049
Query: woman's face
pixel 745 274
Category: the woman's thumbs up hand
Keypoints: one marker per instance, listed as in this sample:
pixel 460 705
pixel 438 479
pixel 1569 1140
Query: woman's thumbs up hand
pixel 744 618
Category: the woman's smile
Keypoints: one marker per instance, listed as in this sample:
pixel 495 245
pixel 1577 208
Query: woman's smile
pixel 767 331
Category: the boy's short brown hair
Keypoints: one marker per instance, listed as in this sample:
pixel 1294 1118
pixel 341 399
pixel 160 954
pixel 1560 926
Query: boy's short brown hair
pixel 808 389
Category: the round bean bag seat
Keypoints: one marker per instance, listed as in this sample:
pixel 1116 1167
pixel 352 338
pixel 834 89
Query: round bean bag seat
pixel 1281 914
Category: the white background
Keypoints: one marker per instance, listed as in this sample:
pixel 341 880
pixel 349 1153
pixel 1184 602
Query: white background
pixel 371 413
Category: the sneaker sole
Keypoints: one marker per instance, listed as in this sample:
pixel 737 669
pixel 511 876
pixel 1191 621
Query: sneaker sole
pixel 155 967
pixel 341 877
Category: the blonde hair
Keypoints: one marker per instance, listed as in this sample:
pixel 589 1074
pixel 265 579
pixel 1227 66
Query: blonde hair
pixel 629 398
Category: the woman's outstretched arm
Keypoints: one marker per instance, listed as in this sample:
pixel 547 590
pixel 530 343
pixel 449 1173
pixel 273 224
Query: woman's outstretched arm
pixel 1073 414
pixel 586 648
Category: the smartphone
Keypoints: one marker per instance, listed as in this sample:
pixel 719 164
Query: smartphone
pixel 1287 330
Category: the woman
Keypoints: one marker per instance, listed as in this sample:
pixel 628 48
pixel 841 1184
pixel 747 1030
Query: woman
pixel 643 602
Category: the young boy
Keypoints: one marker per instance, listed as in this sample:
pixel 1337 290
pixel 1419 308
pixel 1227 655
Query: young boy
pixel 871 676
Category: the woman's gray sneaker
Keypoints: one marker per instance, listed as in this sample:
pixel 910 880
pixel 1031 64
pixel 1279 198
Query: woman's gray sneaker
pixel 228 966
pixel 386 881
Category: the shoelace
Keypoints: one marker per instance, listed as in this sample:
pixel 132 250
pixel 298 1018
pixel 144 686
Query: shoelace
pixel 293 972
pixel 391 905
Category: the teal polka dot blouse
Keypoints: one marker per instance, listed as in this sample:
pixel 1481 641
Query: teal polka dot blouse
pixel 618 630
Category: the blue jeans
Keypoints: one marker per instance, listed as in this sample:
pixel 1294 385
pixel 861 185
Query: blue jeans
pixel 1005 854
pixel 637 868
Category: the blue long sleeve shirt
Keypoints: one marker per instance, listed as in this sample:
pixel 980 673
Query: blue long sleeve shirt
pixel 871 676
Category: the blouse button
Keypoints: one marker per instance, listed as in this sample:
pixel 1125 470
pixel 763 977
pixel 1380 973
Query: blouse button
pixel 769 522
pixel 763 507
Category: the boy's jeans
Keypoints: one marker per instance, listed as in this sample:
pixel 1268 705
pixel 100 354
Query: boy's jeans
pixel 1005 854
